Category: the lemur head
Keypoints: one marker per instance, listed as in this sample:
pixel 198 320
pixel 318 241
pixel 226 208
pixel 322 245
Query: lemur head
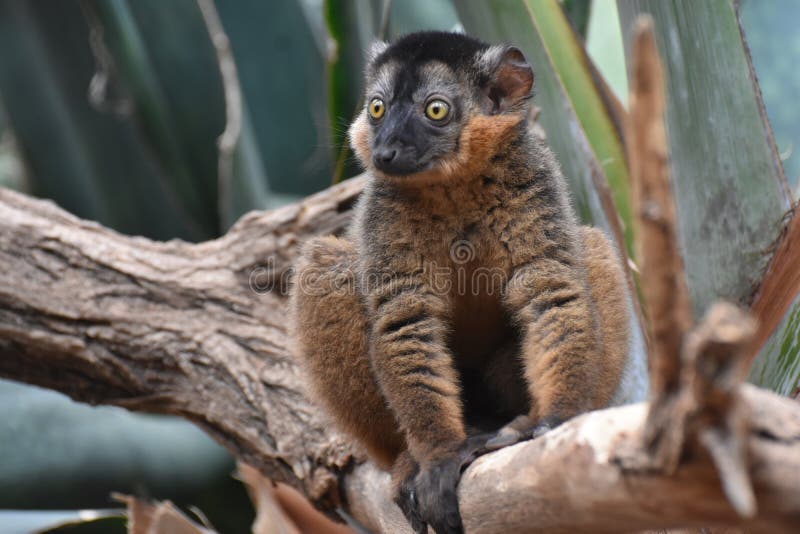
pixel 439 105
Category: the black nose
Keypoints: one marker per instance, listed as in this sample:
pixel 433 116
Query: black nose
pixel 385 155
pixel 396 160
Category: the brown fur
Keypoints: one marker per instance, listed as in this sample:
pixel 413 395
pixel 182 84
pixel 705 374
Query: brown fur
pixel 473 297
pixel 573 354
pixel 331 330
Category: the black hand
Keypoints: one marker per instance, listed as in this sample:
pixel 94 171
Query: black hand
pixel 406 499
pixel 436 496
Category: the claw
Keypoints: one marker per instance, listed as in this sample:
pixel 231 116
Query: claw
pixel 540 430
pixel 505 436
pixel 544 426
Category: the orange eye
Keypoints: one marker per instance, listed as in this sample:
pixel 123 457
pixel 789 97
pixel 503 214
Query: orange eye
pixel 376 108
pixel 437 110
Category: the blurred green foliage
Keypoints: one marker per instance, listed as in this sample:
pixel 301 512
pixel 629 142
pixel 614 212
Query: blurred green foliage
pixel 774 42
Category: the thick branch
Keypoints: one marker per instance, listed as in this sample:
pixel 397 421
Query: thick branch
pixel 666 299
pixel 198 331
pixel 192 330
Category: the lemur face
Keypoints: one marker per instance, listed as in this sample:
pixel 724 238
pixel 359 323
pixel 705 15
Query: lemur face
pixel 415 115
pixel 426 96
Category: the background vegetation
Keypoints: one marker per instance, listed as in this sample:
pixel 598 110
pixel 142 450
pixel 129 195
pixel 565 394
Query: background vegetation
pixel 113 109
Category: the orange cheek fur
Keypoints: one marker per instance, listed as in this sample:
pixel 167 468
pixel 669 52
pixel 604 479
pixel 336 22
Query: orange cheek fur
pixel 481 138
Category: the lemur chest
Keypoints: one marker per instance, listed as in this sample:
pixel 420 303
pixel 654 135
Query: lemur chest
pixel 469 266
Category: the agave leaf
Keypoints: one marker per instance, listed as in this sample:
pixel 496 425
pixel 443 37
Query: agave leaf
pixel 148 41
pixel 728 182
pixel 281 72
pixel 248 188
pixel 89 161
pixel 579 129
pixel 604 46
pixel 414 15
pixel 241 181
pixel 351 25
pixel 578 13
pixel 730 190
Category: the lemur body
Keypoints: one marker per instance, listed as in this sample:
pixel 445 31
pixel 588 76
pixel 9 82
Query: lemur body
pixel 472 295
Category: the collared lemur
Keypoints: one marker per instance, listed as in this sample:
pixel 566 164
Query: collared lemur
pixel 465 293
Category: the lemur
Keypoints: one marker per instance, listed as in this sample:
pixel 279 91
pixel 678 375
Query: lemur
pixel 408 343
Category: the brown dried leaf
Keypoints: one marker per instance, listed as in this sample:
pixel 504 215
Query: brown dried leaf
pixel 158 518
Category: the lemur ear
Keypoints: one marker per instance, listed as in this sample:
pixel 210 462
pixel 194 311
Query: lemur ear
pixel 376 49
pixel 510 78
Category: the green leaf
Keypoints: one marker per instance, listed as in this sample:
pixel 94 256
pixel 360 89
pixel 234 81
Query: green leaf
pixel 415 15
pixel 281 71
pixel 604 46
pixel 165 59
pixel 248 188
pixel 91 162
pixel 729 187
pixel 777 365
pixel 578 13
pixel 352 25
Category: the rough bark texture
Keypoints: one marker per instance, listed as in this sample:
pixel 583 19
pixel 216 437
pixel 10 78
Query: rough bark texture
pixel 195 330
pixel 664 292
pixel 175 328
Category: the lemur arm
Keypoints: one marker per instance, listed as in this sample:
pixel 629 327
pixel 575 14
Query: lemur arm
pixel 561 352
pixel 414 367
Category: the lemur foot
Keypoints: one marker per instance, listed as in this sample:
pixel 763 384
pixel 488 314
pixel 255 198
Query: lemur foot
pixel 521 428
pixel 429 496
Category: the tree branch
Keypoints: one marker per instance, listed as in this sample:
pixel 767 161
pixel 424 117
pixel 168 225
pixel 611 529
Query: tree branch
pixel 175 328
pixel 199 331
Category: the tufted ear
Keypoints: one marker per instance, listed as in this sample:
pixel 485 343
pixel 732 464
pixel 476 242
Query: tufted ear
pixel 510 78
pixel 376 48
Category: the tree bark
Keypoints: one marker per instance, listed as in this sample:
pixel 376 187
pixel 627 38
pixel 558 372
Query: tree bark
pixel 195 330
pixel 199 331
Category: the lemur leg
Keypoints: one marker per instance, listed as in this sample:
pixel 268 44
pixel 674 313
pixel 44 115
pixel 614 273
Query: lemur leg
pixel 331 339
pixel 565 373
pixel 608 289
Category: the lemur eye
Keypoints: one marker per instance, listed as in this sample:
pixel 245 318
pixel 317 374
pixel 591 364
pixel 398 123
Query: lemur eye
pixel 437 110
pixel 376 108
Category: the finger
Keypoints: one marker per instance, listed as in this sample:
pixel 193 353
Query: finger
pixel 505 436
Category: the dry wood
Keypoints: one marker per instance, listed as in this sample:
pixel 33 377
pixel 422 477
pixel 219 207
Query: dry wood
pixel 781 283
pixel 163 517
pixel 193 330
pixel 666 299
pixel 270 515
